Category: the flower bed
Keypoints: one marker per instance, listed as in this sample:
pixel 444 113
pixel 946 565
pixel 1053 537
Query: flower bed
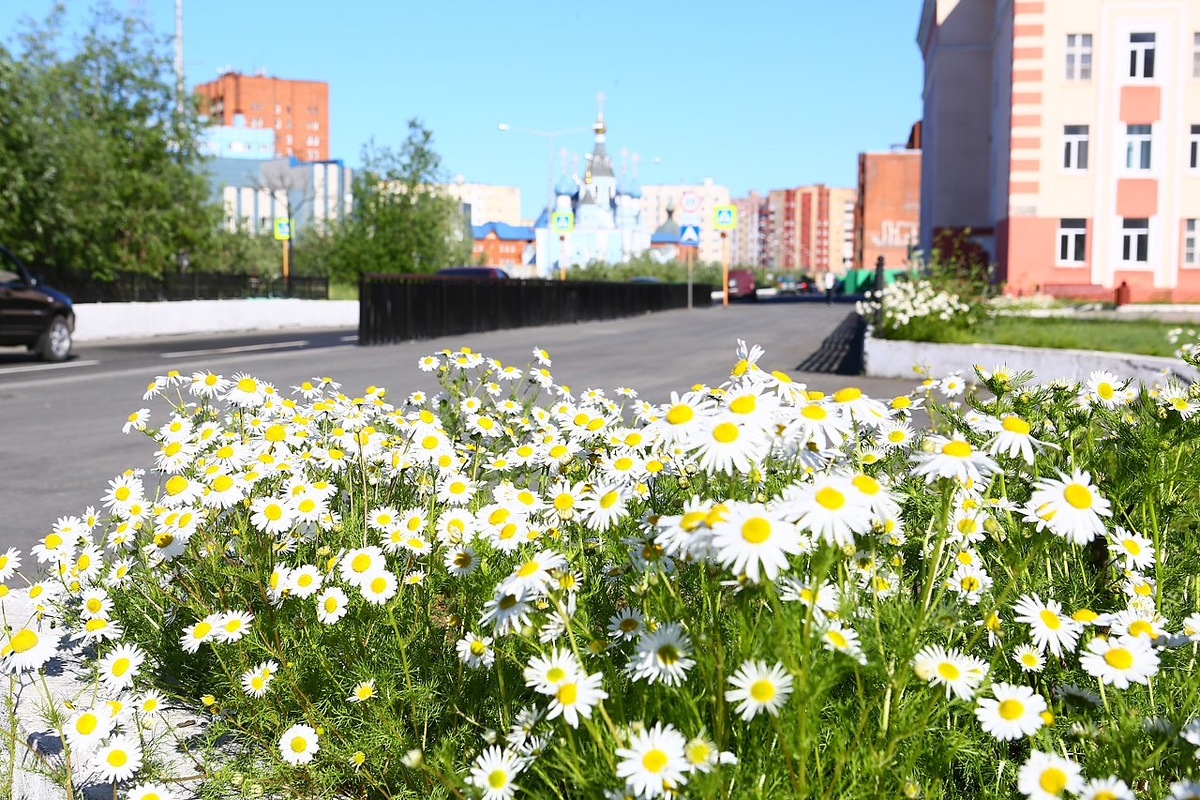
pixel 751 590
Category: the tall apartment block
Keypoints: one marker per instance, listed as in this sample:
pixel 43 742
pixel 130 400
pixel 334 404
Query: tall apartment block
pixel 887 212
pixel 811 229
pixel 1066 135
pixel 298 111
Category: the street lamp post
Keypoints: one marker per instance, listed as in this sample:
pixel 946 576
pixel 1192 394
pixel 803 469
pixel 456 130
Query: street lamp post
pixel 504 126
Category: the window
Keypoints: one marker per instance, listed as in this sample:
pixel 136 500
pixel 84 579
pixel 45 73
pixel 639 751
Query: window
pixel 277 108
pixel 1196 55
pixel 1075 147
pixel 1072 241
pixel 1135 241
pixel 1079 56
pixel 1141 55
pixel 1194 148
pixel 1190 257
pixel 1137 147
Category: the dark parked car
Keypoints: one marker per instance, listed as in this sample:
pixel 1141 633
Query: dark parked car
pixel 645 279
pixel 31 314
pixel 473 272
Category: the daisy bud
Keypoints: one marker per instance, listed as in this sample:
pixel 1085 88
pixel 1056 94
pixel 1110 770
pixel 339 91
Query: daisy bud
pixel 912 789
pixel 413 758
pixel 1048 718
pixel 489 736
pixel 256 790
pixel 928 446
pixel 237 779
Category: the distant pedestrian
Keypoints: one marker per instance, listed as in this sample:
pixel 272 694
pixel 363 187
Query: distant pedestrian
pixel 830 282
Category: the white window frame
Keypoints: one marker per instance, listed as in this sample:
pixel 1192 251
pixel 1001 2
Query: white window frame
pixel 1072 237
pixel 1193 149
pixel 1196 55
pixel 1191 246
pixel 1079 57
pixel 1073 145
pixel 1141 55
pixel 1139 149
pixel 1129 242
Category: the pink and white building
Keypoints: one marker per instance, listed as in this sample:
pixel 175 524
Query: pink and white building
pixel 1066 135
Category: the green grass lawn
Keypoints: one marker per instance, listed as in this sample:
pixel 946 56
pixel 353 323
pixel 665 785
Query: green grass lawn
pixel 1147 337
pixel 343 291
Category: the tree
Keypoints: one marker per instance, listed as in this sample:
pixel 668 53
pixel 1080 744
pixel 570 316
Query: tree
pixel 402 221
pixel 97 163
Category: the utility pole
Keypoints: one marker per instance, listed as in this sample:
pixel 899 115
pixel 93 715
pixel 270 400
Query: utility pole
pixel 179 58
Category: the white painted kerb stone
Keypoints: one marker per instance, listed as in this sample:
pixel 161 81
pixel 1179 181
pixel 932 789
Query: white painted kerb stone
pixel 94 321
pixel 894 358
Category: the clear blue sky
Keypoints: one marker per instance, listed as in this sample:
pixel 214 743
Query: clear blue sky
pixel 756 95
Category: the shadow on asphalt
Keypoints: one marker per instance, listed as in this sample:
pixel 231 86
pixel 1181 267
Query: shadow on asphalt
pixel 841 353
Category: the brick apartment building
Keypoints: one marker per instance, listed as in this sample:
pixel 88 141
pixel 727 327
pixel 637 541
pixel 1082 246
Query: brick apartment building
pixel 510 247
pixel 1066 135
pixel 887 211
pixel 811 229
pixel 298 111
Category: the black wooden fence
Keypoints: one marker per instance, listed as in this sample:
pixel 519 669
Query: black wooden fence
pixel 137 287
pixel 396 308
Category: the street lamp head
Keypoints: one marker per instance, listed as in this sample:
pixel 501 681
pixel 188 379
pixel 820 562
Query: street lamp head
pixel 503 126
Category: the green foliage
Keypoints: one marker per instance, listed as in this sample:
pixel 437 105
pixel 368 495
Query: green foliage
pixel 675 272
pixel 1123 336
pixel 97 165
pixel 401 221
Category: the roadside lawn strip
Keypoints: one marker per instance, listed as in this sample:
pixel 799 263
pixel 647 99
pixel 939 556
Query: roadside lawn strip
pixel 1142 336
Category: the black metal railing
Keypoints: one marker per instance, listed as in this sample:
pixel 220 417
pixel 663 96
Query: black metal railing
pixel 396 308
pixel 136 287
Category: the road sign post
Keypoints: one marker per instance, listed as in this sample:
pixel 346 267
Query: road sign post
pixel 690 258
pixel 724 220
pixel 562 223
pixel 562 265
pixel 283 233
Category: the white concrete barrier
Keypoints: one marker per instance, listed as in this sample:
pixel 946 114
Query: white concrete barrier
pixel 95 321
pixel 894 358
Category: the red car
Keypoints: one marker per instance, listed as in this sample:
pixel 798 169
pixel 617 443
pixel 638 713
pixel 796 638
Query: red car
pixel 741 284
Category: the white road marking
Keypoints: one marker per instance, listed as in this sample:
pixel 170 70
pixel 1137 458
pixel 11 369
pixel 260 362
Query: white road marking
pixel 40 367
pixel 249 348
pixel 350 338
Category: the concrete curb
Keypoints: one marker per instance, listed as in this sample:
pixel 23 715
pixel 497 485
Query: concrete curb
pixel 94 321
pixel 895 358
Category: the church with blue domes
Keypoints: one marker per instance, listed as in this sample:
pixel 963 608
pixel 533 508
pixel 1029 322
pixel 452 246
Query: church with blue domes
pixel 608 216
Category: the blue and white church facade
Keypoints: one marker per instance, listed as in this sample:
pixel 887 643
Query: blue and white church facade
pixel 608 216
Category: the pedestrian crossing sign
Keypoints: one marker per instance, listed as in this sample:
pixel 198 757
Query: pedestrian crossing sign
pixel 562 221
pixel 689 235
pixel 725 217
pixel 283 228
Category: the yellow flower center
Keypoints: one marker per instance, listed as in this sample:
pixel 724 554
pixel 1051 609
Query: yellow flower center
pixel 86 723
pixel 120 666
pixel 654 760
pixel 1140 628
pixel 814 412
pixel 1015 425
pixel 298 744
pixel 830 498
pixel 725 433
pixel 247 385
pixel 122 493
pixel 272 512
pixel 1053 780
pixel 222 483
pixel 117 758
pixel 846 395
pixel 839 641
pixel 1050 620
pixel 948 671
pixel 564 501
pixel 1105 390
pixel 623 463
pixel 957 449
pixel 756 530
pixel 331 605
pixel 361 563
pixel 497 779
pixel 667 654
pixel 1011 709
pixel 1078 495
pixel 275 433
pixel 378 585
pixel 172 448
pixel 23 641
pixel 743 405
pixel 1132 546
pixel 680 414
pixel 566 694
pixel 762 690
pixel 608 500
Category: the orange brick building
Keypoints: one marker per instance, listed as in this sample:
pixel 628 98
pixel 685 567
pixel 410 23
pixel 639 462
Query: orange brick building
pixel 298 111
pixel 887 214
pixel 509 247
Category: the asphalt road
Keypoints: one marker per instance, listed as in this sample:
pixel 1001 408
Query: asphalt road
pixel 60 426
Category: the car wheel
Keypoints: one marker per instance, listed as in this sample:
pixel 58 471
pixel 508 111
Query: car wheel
pixel 55 344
